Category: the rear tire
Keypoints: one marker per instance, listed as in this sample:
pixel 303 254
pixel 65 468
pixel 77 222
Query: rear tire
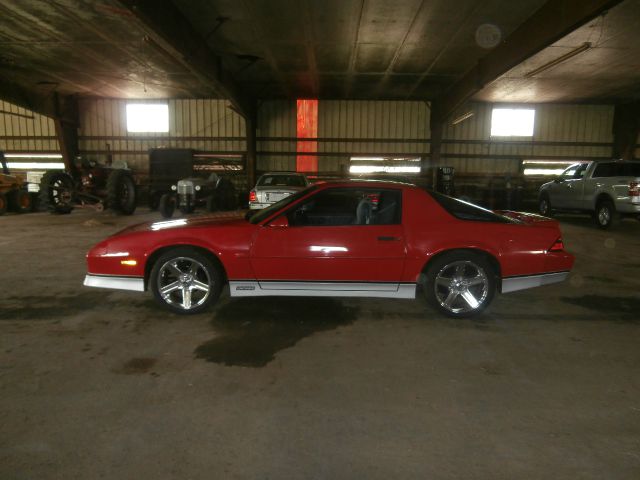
pixel 57 192
pixel 121 192
pixel 3 204
pixel 167 205
pixel 460 284
pixel 185 281
pixel 21 201
pixel 606 215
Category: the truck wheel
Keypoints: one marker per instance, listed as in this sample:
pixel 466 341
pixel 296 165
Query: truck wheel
pixel 57 192
pixel 460 284
pixel 185 281
pixel 21 201
pixel 3 203
pixel 167 205
pixel 606 215
pixel 544 206
pixel 121 192
pixel 212 206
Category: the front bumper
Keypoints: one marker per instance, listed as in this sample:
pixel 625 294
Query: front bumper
pixel 135 284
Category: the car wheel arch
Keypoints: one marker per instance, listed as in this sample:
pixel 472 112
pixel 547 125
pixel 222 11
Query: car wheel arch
pixel 491 258
pixel 603 197
pixel 153 257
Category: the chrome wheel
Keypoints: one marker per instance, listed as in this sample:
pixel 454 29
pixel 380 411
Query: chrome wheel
pixel 461 287
pixel 184 283
pixel 604 215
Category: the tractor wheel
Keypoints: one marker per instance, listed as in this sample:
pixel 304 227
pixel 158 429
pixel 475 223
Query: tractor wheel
pixel 3 203
pixel 225 195
pixel 21 201
pixel 167 205
pixel 57 192
pixel 121 192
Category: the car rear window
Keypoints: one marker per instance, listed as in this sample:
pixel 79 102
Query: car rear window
pixel 617 169
pixel 281 181
pixel 467 211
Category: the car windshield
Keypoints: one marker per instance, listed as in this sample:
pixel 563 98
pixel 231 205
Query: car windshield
pixel 265 213
pixel 281 181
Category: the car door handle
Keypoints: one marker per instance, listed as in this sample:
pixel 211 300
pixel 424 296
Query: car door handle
pixel 389 239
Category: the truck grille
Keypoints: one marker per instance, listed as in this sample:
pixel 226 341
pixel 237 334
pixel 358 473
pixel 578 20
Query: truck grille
pixel 185 189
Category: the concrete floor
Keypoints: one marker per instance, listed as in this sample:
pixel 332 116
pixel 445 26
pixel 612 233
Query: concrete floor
pixel 101 384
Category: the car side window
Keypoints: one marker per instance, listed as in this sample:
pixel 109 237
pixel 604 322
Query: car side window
pixel 570 172
pixel 349 206
pixel 604 170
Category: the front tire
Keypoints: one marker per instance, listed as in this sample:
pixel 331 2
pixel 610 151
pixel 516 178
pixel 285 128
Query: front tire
pixel 460 284
pixel 121 192
pixel 544 206
pixel 57 192
pixel 167 205
pixel 185 281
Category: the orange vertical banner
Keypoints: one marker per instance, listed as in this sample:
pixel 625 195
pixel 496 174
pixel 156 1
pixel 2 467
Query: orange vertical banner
pixel 307 127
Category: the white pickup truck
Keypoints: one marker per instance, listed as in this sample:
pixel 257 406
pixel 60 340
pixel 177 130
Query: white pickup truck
pixel 608 189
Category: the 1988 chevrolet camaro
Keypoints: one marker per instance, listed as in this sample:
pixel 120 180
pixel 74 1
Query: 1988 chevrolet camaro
pixel 340 239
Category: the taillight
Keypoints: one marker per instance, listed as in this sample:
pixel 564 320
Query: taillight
pixel 252 196
pixel 633 189
pixel 557 246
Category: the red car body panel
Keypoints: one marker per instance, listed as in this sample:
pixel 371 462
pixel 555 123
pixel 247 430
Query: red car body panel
pixel 364 253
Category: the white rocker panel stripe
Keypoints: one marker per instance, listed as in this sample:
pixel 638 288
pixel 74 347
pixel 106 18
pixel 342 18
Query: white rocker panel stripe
pixel 135 284
pixel 512 284
pixel 249 288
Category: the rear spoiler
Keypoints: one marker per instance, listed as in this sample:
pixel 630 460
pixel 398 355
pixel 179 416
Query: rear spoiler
pixel 529 218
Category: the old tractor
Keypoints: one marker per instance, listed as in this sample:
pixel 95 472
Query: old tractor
pixel 89 184
pixel 13 192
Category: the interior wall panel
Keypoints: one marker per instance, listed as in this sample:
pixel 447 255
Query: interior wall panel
pixel 23 131
pixel 207 125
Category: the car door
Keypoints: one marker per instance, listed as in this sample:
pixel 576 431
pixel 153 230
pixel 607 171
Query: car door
pixel 339 238
pixel 561 192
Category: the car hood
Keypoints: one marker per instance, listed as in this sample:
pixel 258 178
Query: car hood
pixel 216 219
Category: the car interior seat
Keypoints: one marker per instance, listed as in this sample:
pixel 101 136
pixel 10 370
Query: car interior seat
pixel 363 212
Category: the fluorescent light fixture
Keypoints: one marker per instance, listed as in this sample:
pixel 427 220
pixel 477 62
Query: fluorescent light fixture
pixel 364 159
pixel 462 118
pixel 543 171
pixel 382 169
pixel 548 162
pixel 563 58
pixel 512 122
pixel 147 117
pixel 35 165
pixel 32 155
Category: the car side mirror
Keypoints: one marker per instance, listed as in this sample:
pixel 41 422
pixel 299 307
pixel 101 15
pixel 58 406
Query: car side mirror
pixel 281 222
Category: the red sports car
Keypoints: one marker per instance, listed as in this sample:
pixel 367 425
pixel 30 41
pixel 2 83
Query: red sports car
pixel 342 239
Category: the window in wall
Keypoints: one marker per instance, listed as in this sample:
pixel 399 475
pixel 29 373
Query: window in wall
pixel 512 122
pixel 147 117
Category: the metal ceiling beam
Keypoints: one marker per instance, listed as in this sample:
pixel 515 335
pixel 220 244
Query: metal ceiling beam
pixel 554 20
pixel 170 31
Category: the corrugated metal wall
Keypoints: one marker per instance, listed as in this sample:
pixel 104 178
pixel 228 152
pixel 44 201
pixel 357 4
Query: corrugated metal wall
pixel 345 128
pixel 23 131
pixel 561 132
pixel 206 125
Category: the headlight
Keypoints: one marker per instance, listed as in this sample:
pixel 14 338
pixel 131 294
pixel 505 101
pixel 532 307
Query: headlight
pixel 174 187
pixel 198 187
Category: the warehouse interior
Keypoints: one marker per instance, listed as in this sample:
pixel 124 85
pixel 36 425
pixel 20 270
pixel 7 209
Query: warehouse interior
pixel 100 384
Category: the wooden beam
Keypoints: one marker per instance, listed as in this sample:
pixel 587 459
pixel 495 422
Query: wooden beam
pixel 554 20
pixel 170 31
